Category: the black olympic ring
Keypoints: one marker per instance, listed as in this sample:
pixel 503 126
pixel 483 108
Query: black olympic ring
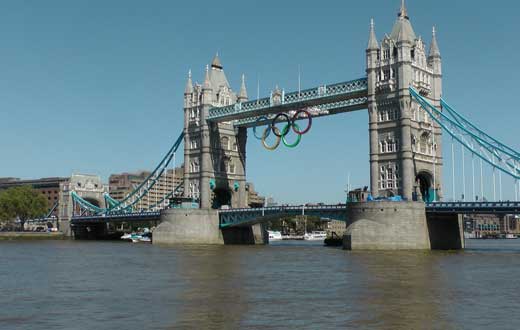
pixel 285 130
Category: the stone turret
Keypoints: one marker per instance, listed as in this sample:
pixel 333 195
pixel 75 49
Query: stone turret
pixel 405 156
pixel 242 95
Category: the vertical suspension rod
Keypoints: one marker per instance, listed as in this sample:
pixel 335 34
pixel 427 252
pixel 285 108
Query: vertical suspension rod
pixel 453 170
pixel 463 175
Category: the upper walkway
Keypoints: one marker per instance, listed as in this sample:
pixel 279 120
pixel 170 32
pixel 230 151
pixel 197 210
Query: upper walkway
pixel 322 100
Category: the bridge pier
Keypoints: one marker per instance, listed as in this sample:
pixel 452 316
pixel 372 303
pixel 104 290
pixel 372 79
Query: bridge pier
pixel 399 226
pixel 201 226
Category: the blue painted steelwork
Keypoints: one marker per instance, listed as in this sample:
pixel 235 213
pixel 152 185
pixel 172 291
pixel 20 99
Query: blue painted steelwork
pixel 249 216
pixel 474 207
pixel 478 143
pixel 124 217
pixel 319 96
pixel 319 110
pixel 129 202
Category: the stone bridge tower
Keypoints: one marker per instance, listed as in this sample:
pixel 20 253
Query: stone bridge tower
pixel 405 144
pixel 214 153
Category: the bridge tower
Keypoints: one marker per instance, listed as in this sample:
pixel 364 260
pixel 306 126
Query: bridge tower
pixel 214 154
pixel 405 144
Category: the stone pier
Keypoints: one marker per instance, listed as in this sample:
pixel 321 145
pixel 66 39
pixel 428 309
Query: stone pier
pixel 399 226
pixel 201 226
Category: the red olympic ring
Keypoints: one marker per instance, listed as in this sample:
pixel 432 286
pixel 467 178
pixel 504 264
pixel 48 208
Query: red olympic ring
pixel 295 127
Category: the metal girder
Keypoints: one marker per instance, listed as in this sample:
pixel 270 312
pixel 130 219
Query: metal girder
pixel 473 208
pixel 129 217
pixel 317 96
pixel 247 217
pixel 316 111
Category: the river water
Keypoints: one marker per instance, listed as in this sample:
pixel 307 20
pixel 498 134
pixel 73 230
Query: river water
pixel 115 285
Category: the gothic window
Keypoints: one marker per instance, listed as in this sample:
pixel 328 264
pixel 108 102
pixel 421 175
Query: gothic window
pixel 412 54
pixel 235 147
pixel 423 143
pixel 386 74
pixel 231 167
pixel 194 144
pixel 224 143
pixel 194 166
pixel 395 52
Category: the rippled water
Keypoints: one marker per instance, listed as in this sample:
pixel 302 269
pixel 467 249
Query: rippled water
pixel 113 285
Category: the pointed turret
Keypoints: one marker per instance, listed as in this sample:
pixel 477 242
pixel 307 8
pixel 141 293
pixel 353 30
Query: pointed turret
pixel 434 47
pixel 189 84
pixel 242 95
pixel 403 12
pixel 372 39
pixel 403 30
pixel 216 62
pixel 207 81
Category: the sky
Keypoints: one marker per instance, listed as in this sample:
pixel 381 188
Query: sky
pixel 97 86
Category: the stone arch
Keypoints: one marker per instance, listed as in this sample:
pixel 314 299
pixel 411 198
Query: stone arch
pixel 424 186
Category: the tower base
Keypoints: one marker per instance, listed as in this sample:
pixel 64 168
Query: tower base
pixel 399 226
pixel 201 226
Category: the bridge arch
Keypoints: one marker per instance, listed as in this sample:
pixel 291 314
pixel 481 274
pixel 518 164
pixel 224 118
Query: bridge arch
pixel 424 186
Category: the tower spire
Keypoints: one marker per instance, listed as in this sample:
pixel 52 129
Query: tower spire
pixel 189 84
pixel 207 81
pixel 434 47
pixel 403 12
pixel 216 62
pixel 242 95
pixel 372 40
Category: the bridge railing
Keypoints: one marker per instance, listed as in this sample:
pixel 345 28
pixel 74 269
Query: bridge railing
pixel 248 108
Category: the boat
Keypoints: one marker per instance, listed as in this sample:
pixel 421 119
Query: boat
pixel 274 235
pixel 315 236
pixel 144 237
pixel 511 236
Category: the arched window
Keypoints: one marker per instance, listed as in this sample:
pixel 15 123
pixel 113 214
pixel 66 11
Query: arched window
pixel 225 143
pixel 423 143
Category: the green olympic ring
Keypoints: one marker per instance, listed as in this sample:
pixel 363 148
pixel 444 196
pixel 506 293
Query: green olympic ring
pixel 281 135
pixel 298 137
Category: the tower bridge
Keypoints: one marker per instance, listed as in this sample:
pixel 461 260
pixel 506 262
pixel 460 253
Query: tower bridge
pixel 402 92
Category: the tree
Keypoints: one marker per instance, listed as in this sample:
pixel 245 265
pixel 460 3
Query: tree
pixel 22 203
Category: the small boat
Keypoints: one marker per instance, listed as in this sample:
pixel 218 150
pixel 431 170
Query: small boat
pixel 511 236
pixel 145 237
pixel 315 236
pixel 274 235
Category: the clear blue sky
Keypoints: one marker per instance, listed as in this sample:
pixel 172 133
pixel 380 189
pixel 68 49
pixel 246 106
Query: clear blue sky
pixel 96 86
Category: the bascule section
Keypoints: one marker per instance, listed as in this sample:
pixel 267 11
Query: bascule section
pixel 405 143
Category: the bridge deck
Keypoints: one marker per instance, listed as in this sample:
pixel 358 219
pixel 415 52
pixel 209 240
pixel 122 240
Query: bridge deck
pixel 249 216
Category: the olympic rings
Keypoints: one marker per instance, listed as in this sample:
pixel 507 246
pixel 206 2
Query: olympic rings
pixel 281 135
pixel 267 131
pixel 298 138
pixel 285 130
pixel 254 127
pixel 296 128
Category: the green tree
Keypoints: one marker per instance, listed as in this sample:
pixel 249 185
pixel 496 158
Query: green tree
pixel 22 203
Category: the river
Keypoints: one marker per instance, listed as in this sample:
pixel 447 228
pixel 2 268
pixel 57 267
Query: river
pixel 296 285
